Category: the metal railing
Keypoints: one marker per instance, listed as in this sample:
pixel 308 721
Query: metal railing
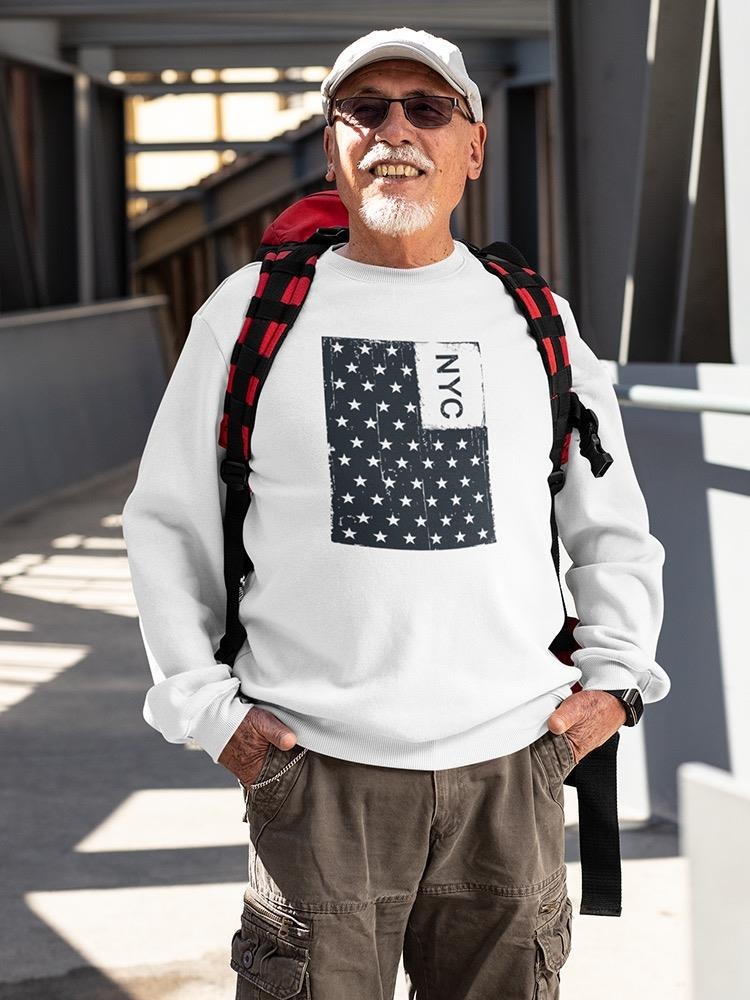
pixel 662 397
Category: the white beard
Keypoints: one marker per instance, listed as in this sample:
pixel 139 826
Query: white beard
pixel 395 215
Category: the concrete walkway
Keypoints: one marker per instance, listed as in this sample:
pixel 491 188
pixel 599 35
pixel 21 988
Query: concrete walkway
pixel 124 857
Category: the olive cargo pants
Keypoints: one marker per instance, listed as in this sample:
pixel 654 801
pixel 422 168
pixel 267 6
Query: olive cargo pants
pixel 462 870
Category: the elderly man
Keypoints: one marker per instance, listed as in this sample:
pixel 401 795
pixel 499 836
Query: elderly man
pixel 396 720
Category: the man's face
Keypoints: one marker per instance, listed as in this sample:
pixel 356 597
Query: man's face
pixel 446 156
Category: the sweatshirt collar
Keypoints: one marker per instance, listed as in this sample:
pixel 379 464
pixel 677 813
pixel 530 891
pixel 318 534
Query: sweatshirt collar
pixel 378 275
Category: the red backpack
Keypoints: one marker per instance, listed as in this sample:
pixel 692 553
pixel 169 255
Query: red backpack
pixel 289 252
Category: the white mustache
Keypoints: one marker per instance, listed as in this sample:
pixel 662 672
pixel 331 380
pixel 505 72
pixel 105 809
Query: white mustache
pixel 396 154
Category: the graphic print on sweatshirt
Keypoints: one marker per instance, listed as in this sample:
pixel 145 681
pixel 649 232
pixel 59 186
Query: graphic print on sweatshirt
pixel 407 444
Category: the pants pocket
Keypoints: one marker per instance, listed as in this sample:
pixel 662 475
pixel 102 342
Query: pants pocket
pixel 553 943
pixel 270 955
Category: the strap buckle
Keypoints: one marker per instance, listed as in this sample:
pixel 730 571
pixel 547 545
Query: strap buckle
pixel 234 474
pixel 556 480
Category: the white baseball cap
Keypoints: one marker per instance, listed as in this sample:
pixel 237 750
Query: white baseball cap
pixel 404 43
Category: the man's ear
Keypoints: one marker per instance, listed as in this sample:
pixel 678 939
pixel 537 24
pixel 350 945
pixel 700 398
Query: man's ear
pixel 476 159
pixel 328 145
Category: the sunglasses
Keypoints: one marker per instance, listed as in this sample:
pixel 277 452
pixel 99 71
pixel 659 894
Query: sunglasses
pixel 422 112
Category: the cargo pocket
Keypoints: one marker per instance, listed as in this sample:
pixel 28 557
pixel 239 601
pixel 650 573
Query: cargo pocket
pixel 553 941
pixel 270 956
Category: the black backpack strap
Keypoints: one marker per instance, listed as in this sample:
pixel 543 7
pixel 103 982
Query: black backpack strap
pixel 283 283
pixel 594 777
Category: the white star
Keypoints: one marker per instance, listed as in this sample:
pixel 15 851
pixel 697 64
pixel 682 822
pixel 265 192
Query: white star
pixel 442 483
pixel 364 517
pixel 356 443
pixel 465 481
pixel 351 367
pixel 428 463
pixel 377 499
pixel 364 349
pixel 379 369
pixel 379 537
pixel 388 482
pixel 342 421
pixel 455 499
pixel 479 497
pixel 399 425
pixel 360 481
pixel 339 384
pixel 349 533
pixel 417 484
pixel 431 501
pixel 460 536
pixel 452 462
pixel 406 370
pixel 475 459
pixel 436 538
pixel 438 446
pixel 421 521
pixel 469 518
pixel 371 422
pixel 409 539
pixel 413 445
pixel 385 443
pixel 372 460
pixel 445 519
pixel 338 347
pixel 410 407
pixel 355 404
pixel 344 459
pixel 392 519
pixel 382 405
pixel 368 385
pixel 483 533
pixel 405 501
pixel 462 443
pixel 395 386
pixel 391 350
pixel 347 498
pixel 401 463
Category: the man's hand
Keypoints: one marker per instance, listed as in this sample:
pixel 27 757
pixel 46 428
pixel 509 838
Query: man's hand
pixel 245 752
pixel 588 719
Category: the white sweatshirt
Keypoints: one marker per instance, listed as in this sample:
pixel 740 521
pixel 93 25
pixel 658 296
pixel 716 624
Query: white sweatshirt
pixel 404 594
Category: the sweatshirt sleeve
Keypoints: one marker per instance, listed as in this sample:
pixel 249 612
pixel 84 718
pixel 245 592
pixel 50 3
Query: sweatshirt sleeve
pixel 172 525
pixel 616 572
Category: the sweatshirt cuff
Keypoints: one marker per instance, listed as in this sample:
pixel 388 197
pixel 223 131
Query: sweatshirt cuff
pixel 599 674
pixel 216 724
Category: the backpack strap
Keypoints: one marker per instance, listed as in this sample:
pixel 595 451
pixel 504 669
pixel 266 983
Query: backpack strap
pixel 284 280
pixel 537 304
pixel 594 777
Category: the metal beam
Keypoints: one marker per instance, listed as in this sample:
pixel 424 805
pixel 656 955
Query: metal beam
pixel 277 87
pixel 513 15
pixel 246 49
pixel 263 146
pixel 664 201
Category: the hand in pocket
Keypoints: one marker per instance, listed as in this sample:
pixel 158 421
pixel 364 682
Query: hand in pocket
pixel 246 751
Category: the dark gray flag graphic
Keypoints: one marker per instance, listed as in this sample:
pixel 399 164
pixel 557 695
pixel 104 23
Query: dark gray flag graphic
pixel 407 444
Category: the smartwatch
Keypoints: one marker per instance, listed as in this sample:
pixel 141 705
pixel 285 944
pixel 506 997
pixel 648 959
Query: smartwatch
pixel 631 699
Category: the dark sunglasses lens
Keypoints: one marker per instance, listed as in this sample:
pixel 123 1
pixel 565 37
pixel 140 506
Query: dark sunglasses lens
pixel 369 112
pixel 424 112
pixel 428 112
